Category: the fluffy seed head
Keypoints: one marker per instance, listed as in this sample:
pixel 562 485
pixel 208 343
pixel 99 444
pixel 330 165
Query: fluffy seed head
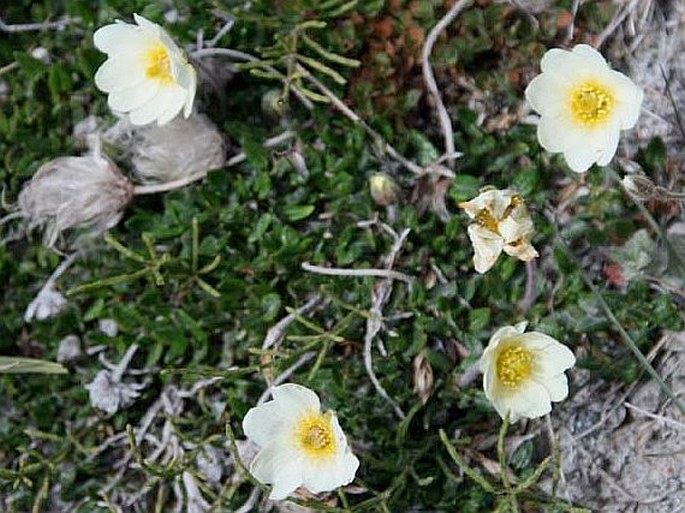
pixel 160 154
pixel 87 194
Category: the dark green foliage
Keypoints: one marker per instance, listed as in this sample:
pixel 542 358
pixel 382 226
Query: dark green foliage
pixel 196 277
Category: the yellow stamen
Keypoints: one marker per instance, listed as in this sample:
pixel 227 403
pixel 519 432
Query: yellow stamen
pixel 516 201
pixel 159 64
pixel 514 366
pixel 591 103
pixel 488 221
pixel 485 219
pixel 315 435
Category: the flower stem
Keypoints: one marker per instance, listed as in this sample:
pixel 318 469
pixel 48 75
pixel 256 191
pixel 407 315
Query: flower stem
pixel 672 253
pixel 484 484
pixel 619 327
pixel 504 468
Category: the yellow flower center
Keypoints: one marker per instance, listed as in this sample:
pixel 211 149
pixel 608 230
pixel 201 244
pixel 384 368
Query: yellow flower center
pixel 488 221
pixel 485 219
pixel 315 435
pixel 591 103
pixel 514 366
pixel 159 64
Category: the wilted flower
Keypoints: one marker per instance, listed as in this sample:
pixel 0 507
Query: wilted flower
pixel 181 148
pixel 583 105
pixel 524 372
pixel 108 392
pixel 111 394
pixel 69 349
pixel 47 303
pixel 502 224
pixel 300 445
pixel 146 74
pixel 88 193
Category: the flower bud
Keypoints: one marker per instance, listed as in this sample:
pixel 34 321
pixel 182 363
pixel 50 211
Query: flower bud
pixel 423 378
pixel 275 105
pixel 639 186
pixel 383 189
pixel 86 193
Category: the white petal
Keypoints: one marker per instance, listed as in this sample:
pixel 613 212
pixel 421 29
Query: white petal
pixel 628 98
pixel 581 157
pixel 554 60
pixel 494 200
pixel 131 98
pixel 175 99
pixel 489 369
pixel 521 326
pixel 547 96
pixel 610 146
pixel 292 399
pixel 571 67
pixel 159 107
pixel 512 229
pixel 278 464
pixel 265 423
pixel 591 56
pixel 487 247
pixel 550 133
pixel 531 401
pixel 503 334
pixel 151 28
pixel 552 357
pixel 191 88
pixel 557 387
pixel 338 472
pixel 119 39
pixel 524 252
pixel 118 73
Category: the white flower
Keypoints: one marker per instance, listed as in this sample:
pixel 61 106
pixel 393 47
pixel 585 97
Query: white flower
pixel 524 372
pixel 146 74
pixel 583 105
pixel 300 446
pixel 502 224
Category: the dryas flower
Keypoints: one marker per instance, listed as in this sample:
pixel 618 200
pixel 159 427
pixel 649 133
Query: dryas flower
pixel 502 224
pixel 523 373
pixel 145 74
pixel 583 105
pixel 300 445
pixel 87 193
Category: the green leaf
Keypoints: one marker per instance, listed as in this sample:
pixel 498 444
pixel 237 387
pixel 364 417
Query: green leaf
pixel 479 319
pixel 14 365
pixel 298 212
pixel 464 188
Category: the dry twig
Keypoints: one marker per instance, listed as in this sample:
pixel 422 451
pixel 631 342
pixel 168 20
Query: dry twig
pixel 380 296
pixel 429 77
